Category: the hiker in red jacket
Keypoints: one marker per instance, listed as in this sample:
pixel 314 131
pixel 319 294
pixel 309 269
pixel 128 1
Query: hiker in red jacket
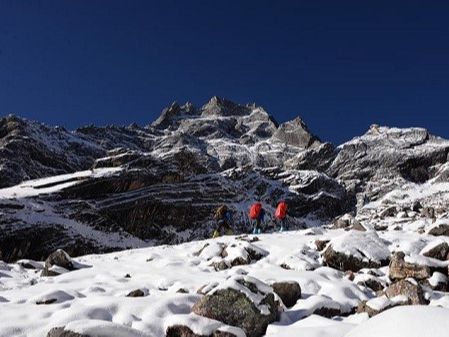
pixel 257 213
pixel 281 215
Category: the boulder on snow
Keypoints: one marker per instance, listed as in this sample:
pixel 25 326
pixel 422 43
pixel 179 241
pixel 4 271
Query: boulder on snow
pixel 428 212
pixel 438 250
pixel 404 292
pixel 321 244
pixel 370 281
pixel 241 301
pixel 438 282
pixel 57 263
pixel 440 230
pixel 356 250
pixel 136 293
pixel 399 269
pixel 411 290
pixel 343 221
pixel 289 292
pixel 235 254
pixel 377 305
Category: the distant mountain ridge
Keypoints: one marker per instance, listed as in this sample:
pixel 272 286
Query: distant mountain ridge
pixel 173 173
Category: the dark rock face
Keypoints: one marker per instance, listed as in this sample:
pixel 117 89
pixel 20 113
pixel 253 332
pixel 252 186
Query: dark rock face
pixel 386 157
pixel 234 308
pixel 21 141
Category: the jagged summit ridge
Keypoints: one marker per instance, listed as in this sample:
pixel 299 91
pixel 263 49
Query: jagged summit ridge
pixel 238 121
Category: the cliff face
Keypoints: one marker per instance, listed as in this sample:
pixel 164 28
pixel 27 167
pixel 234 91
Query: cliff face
pixel 134 186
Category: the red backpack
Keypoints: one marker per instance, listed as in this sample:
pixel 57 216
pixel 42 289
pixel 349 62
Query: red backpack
pixel 255 210
pixel 281 210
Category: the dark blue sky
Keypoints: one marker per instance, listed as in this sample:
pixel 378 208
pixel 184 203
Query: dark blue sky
pixel 340 65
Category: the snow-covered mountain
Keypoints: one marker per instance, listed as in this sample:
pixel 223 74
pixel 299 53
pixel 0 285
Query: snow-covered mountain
pixel 366 253
pixel 99 189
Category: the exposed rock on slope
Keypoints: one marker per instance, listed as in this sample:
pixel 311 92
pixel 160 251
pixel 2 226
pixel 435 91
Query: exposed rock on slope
pixel 386 158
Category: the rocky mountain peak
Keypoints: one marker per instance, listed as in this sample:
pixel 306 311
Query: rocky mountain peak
pixel 223 107
pixel 189 108
pixel 171 117
pixel 168 116
pixel 296 133
pixel 11 125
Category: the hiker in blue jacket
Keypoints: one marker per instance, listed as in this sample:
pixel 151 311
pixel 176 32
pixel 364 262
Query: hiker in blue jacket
pixel 223 218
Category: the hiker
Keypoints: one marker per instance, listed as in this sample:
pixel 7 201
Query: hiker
pixel 281 215
pixel 257 213
pixel 223 217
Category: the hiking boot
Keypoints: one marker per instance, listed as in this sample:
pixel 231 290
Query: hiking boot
pixel 259 230
pixel 255 231
pixel 281 229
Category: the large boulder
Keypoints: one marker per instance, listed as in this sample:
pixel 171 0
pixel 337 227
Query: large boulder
pixel 439 249
pixel 57 263
pixel 411 290
pixel 356 250
pixel 440 230
pixel 377 305
pixel 241 301
pixel 417 267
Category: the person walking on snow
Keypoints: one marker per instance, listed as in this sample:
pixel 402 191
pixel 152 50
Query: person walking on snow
pixel 281 215
pixel 257 214
pixel 223 218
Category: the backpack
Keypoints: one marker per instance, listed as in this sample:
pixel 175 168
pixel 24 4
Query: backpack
pixel 281 210
pixel 228 216
pixel 220 213
pixel 255 210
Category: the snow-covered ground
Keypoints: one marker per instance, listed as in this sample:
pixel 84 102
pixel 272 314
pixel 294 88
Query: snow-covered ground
pixel 93 299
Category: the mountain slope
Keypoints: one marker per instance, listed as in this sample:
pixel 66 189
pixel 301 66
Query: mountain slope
pixel 166 179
